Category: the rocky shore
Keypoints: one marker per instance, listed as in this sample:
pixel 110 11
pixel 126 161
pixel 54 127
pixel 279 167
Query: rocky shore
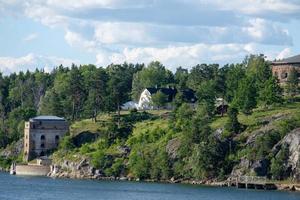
pixel 83 170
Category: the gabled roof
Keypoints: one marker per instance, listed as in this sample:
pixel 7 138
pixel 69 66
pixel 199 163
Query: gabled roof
pixel 47 118
pixel 291 60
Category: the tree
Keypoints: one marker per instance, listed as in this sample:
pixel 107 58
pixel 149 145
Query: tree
pixel 270 93
pixel 245 97
pixel 154 75
pixel 234 74
pixel 96 84
pixel 76 91
pixel 159 99
pixel 201 73
pixel 206 95
pixel 181 77
pixel 292 86
pixel 119 86
pixel 233 125
pixel 257 66
pixel 51 104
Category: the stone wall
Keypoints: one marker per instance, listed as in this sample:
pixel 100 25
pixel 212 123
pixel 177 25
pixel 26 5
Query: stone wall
pixel 282 71
pixel 33 170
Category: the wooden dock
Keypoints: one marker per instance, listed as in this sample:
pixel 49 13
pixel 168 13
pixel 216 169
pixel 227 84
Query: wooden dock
pixel 251 182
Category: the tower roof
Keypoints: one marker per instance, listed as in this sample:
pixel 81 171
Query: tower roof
pixel 290 60
pixel 47 118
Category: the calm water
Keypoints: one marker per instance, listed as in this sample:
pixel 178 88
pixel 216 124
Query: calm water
pixel 35 188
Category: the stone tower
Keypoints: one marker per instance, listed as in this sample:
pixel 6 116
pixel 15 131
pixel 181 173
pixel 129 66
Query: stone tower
pixel 42 134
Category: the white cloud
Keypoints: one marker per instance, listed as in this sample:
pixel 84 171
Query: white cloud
pixel 30 37
pixel 76 40
pixel 174 56
pixel 124 33
pixel 257 6
pixel 262 31
pixel 286 52
pixel 31 62
pixel 176 32
pixel 74 4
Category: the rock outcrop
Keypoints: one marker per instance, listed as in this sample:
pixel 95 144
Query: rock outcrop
pixel 13 150
pixel 292 140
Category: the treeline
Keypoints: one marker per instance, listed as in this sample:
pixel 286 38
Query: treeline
pixel 84 91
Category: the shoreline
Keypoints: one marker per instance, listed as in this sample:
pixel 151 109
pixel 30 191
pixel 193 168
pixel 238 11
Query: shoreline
pixel 269 185
pixel 291 187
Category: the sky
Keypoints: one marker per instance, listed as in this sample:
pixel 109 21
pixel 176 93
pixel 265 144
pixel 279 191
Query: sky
pixel 46 33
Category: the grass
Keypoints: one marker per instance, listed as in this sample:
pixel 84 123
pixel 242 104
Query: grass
pixel 258 115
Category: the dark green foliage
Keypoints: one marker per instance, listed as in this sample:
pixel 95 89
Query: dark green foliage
pixel 271 92
pixel 206 94
pixel 159 99
pixel 67 143
pixel 263 145
pixel 5 162
pixel 278 164
pixel 201 73
pixel 245 97
pixel 234 75
pixel 233 125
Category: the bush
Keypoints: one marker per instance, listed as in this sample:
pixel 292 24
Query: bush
pixel 66 143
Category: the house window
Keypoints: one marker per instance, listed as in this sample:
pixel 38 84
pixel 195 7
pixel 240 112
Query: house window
pixel 43 137
pixel 42 153
pixel 42 145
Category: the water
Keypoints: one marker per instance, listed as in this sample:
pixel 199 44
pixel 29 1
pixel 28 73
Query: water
pixel 43 188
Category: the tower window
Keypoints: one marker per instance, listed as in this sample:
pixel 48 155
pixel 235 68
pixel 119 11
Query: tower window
pixel 43 137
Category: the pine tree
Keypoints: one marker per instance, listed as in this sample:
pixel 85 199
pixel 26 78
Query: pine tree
pixel 245 97
pixel 233 124
pixel 76 91
pixel 271 92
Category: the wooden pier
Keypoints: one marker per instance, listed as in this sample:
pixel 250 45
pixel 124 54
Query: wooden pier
pixel 251 182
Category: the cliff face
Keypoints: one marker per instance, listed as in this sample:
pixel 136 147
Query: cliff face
pixel 292 141
pixel 13 150
pixel 74 169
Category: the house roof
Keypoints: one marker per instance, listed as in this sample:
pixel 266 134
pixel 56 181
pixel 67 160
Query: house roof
pixel 189 95
pixel 290 60
pixel 47 118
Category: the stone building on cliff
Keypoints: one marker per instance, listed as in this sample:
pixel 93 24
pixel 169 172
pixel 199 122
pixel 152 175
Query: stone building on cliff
pixel 42 134
pixel 282 68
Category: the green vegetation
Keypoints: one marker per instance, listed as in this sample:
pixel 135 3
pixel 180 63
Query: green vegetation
pixel 188 142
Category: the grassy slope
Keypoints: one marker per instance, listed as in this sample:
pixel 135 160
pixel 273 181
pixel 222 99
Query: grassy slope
pixel 157 139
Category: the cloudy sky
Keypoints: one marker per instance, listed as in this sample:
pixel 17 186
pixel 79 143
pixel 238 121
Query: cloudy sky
pixel 46 33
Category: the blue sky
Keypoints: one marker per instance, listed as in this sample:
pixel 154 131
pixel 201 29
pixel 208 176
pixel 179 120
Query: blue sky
pixel 44 34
